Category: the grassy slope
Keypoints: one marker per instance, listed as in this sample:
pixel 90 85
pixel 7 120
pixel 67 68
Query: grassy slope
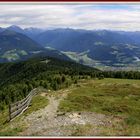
pixel 82 58
pixel 115 97
pixel 8 129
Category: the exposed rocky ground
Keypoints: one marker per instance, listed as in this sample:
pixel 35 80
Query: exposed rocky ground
pixel 50 122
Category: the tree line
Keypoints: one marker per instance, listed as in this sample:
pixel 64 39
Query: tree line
pixel 18 79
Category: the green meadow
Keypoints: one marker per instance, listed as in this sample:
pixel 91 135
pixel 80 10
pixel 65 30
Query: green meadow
pixel 114 97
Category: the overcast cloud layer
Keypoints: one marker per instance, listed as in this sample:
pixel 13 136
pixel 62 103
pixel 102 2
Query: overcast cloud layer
pixel 81 16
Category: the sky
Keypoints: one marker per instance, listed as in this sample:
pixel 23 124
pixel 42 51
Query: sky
pixel 78 16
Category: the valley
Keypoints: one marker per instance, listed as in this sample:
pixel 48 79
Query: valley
pixel 83 58
pixel 103 49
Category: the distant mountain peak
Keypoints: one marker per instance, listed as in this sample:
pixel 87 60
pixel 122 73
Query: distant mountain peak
pixel 15 28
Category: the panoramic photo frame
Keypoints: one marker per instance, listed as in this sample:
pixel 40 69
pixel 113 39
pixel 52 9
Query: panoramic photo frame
pixel 69 69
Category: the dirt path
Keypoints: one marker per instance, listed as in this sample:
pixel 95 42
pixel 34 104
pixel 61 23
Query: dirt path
pixel 43 118
pixel 52 107
pixel 47 122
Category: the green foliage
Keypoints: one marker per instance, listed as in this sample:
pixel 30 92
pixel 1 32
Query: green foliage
pixel 101 77
pixel 37 103
pixel 18 79
pixel 122 74
pixel 11 132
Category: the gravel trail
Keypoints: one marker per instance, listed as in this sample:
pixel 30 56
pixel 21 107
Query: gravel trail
pixel 49 122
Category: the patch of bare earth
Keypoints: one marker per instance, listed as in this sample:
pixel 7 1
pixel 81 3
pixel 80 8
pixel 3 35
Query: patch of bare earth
pixel 49 122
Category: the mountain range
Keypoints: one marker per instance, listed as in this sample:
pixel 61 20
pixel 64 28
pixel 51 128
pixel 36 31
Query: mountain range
pixel 15 45
pixel 101 48
pixel 110 48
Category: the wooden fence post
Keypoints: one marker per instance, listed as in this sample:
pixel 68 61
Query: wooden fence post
pixel 9 112
pixel 16 108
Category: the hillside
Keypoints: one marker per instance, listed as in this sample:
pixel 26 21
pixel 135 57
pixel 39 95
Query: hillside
pixel 73 99
pixel 15 46
pixel 107 107
pixel 17 79
pixel 103 47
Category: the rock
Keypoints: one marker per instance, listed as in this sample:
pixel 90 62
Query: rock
pixel 74 115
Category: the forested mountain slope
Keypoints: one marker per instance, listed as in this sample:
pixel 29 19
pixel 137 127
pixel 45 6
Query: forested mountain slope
pixel 18 79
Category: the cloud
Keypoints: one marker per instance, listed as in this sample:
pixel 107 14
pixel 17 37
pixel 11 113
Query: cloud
pixel 83 16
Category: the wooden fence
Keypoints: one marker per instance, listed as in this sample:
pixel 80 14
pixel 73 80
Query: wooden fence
pixel 20 106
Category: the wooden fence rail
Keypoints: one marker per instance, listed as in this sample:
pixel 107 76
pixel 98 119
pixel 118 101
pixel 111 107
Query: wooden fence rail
pixel 20 106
